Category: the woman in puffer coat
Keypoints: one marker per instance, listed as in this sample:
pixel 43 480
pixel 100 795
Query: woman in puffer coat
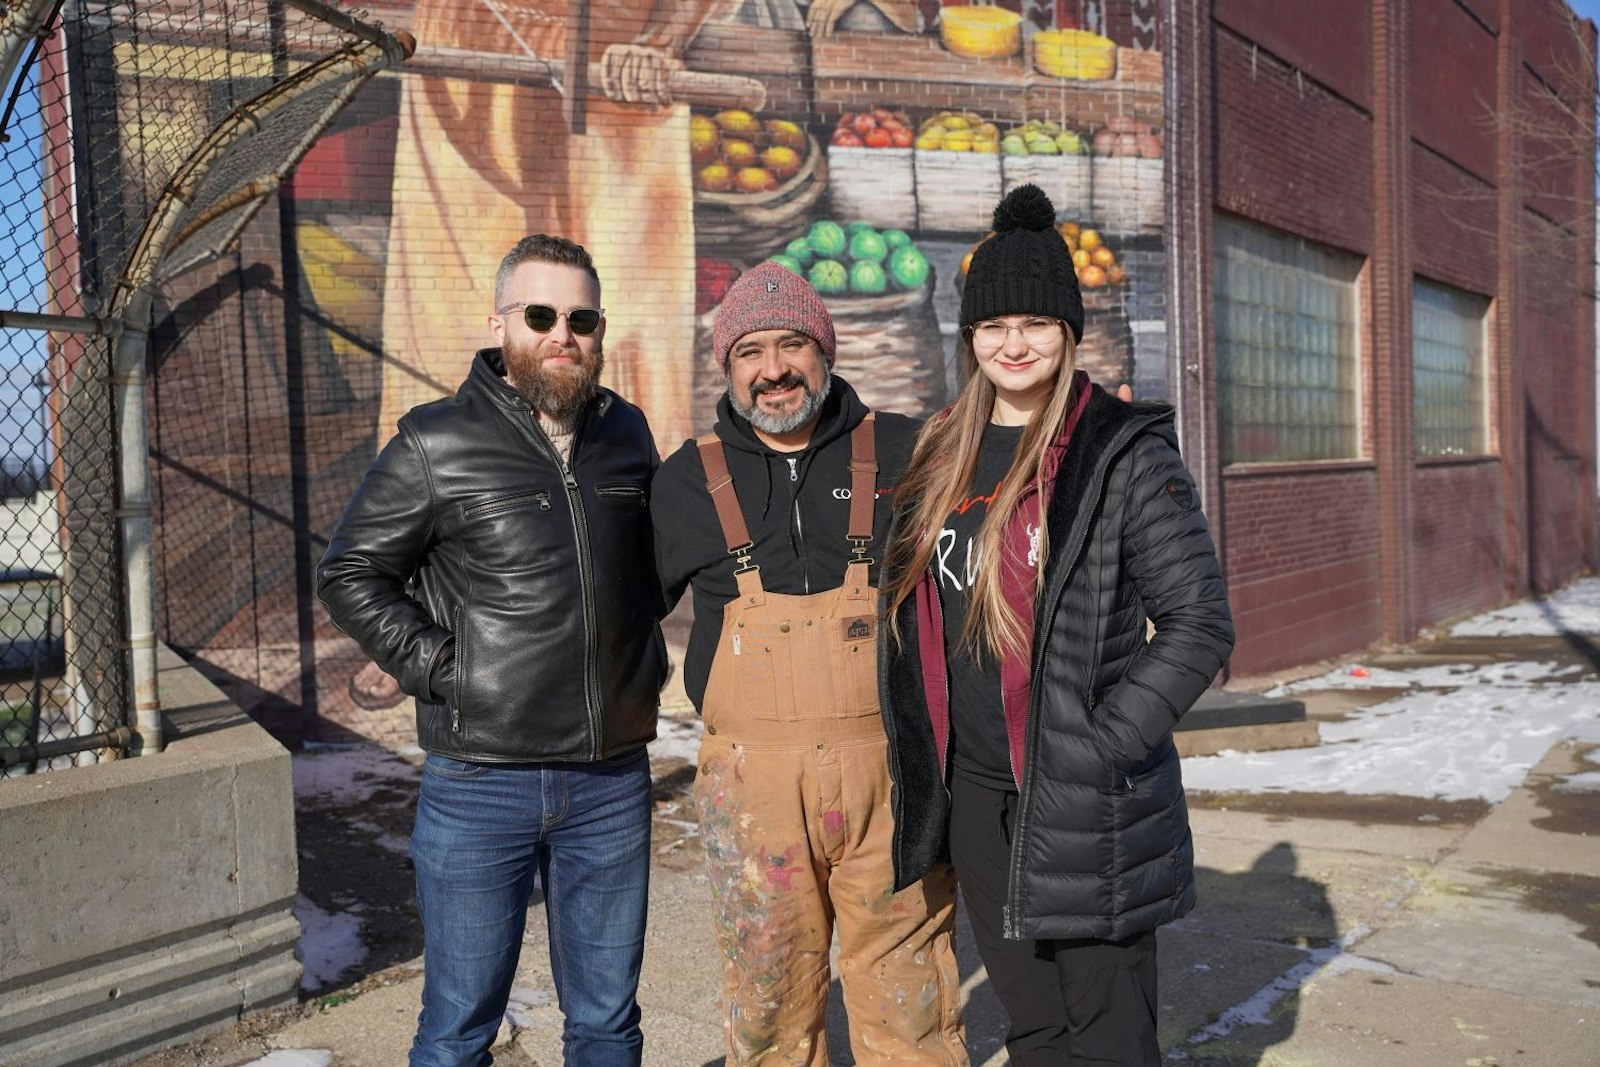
pixel 1038 526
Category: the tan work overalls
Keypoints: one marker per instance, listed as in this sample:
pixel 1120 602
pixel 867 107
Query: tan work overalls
pixel 793 795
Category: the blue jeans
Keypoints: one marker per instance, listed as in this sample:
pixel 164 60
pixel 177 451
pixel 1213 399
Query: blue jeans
pixel 483 832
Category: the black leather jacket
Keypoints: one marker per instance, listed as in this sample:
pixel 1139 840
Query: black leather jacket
pixel 515 599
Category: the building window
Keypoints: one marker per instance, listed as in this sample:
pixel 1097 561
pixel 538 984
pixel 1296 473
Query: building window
pixel 1288 374
pixel 1448 328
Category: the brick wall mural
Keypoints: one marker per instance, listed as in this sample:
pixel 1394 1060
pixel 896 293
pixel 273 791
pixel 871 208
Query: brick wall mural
pixel 861 143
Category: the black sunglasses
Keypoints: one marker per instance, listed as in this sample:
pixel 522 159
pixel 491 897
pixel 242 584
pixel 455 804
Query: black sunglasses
pixel 542 318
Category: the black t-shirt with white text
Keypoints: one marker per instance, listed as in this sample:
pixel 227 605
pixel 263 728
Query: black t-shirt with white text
pixel 979 750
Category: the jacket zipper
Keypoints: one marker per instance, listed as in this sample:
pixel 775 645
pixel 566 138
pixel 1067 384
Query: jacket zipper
pixel 580 530
pixel 799 527
pixel 1090 702
pixel 461 650
pixel 633 492
pixel 1011 912
pixel 590 622
pixel 494 507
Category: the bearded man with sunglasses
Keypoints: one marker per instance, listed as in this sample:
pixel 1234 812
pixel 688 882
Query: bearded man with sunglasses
pixel 496 560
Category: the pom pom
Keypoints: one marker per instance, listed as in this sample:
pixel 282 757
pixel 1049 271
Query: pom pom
pixel 1024 208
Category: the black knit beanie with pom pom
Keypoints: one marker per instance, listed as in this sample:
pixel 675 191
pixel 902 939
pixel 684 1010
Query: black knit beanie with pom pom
pixel 1025 268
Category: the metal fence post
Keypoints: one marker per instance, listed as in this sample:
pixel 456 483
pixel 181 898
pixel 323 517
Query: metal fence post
pixel 133 450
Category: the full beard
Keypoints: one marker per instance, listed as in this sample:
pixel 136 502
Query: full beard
pixel 777 423
pixel 559 393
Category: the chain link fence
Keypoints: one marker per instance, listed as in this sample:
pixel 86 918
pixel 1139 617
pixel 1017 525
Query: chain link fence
pixel 139 140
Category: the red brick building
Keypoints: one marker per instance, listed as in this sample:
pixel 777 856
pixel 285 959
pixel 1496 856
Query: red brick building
pixel 1383 281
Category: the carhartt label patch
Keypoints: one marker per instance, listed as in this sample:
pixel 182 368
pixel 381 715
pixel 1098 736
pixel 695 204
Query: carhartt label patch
pixel 736 649
pixel 858 629
pixel 1181 492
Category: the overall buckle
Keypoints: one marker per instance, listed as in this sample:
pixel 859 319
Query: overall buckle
pixel 741 555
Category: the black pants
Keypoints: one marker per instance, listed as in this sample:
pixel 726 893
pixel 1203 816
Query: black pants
pixel 1085 1003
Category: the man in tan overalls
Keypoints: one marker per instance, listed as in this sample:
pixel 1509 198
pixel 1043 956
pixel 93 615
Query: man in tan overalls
pixel 771 521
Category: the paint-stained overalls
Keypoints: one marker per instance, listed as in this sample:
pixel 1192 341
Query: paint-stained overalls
pixel 793 795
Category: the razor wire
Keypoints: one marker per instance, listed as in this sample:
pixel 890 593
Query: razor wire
pixel 139 141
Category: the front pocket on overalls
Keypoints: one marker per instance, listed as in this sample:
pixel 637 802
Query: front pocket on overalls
pixel 855 664
pixel 762 657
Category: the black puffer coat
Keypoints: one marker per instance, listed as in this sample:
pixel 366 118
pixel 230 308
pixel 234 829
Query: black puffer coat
pixel 1101 847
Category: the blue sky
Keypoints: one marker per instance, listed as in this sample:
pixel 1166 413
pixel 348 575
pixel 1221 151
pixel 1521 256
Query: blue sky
pixel 1589 9
pixel 21 281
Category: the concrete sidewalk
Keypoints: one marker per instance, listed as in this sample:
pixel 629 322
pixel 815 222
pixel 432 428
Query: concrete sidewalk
pixel 1334 931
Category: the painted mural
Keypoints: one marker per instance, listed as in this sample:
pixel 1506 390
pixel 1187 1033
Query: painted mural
pixel 862 143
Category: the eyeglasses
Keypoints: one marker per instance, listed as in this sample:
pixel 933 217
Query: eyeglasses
pixel 542 318
pixel 992 334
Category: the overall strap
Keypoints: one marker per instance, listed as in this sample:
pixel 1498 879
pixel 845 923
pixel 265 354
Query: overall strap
pixel 863 486
pixel 719 483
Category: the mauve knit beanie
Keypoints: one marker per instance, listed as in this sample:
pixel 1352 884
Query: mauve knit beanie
pixel 769 296
pixel 1025 268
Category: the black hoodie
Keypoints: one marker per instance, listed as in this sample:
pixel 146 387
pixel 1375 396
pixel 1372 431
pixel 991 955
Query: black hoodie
pixel 796 504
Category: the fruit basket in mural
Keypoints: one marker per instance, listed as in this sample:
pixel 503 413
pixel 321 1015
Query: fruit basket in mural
pixel 870 174
pixel 756 178
pixel 1129 184
pixel 957 168
pixel 1053 157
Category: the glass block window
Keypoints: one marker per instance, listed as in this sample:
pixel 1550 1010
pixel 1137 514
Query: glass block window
pixel 1448 328
pixel 1288 373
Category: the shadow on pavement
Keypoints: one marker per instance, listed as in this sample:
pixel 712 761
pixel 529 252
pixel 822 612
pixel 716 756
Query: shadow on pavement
pixel 1232 971
pixel 1579 643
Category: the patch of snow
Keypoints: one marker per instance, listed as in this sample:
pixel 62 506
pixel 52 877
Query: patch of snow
pixel 677 738
pixel 295 1057
pixel 399 844
pixel 1588 734
pixel 330 944
pixel 1573 610
pixel 1588 782
pixel 1256 1009
pixel 349 772
pixel 1476 742
pixel 522 1007
pixel 1440 676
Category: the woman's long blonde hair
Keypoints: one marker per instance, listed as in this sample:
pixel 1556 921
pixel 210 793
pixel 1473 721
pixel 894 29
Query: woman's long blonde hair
pixel 939 476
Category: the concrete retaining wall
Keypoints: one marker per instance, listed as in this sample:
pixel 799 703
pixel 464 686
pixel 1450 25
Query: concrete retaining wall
pixel 145 901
